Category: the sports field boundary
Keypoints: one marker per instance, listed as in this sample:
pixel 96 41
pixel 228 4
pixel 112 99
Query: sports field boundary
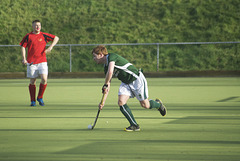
pixel 19 75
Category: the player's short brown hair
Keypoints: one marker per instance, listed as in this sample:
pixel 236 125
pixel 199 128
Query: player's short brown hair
pixel 100 49
pixel 35 21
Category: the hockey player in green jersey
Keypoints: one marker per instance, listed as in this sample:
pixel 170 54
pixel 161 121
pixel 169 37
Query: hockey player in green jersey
pixel 133 84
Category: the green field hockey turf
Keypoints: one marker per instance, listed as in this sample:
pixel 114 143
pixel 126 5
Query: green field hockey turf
pixel 202 123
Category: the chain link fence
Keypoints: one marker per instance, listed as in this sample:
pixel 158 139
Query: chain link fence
pixel 152 57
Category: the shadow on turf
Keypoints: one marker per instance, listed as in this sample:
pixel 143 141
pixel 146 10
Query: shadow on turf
pixel 32 130
pixel 118 146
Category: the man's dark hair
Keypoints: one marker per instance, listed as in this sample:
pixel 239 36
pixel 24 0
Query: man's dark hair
pixel 35 21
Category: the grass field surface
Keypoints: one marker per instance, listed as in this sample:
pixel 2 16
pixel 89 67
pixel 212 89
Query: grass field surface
pixel 202 123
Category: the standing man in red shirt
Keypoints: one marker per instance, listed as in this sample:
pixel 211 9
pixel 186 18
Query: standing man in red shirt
pixel 36 61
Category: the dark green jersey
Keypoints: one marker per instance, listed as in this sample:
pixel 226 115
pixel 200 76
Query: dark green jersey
pixel 123 70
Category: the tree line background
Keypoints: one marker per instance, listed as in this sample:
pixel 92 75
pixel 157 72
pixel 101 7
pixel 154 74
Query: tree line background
pixel 126 21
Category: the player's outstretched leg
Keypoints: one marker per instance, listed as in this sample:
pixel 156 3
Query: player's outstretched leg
pixel 159 106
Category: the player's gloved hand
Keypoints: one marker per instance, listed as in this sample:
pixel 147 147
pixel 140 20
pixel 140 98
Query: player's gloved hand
pixel 104 88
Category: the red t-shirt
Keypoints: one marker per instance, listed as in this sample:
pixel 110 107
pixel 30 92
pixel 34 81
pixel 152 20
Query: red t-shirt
pixel 36 44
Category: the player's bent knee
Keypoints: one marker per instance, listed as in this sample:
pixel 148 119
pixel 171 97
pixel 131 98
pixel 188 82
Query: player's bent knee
pixel 32 81
pixel 43 81
pixel 144 104
pixel 121 103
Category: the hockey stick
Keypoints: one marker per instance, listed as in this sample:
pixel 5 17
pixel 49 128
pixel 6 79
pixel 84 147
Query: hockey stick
pixel 28 64
pixel 98 112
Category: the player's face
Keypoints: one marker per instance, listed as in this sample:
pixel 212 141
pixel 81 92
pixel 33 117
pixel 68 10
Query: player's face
pixel 36 27
pixel 97 58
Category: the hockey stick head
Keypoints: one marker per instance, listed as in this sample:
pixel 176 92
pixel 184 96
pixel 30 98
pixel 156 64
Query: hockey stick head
pixel 96 119
pixel 92 126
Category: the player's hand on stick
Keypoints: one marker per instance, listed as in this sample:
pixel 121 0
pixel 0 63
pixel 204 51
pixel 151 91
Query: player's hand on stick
pixel 105 89
pixel 102 102
pixel 100 106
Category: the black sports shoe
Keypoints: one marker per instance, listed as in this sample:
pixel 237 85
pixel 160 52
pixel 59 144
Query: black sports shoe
pixel 162 109
pixel 132 128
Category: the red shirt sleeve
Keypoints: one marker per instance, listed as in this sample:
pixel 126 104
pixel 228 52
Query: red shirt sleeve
pixel 24 41
pixel 48 37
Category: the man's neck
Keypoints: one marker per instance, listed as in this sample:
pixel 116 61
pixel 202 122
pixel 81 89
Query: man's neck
pixel 35 32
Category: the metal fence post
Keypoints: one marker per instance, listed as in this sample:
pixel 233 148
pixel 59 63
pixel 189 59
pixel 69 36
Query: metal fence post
pixel 70 55
pixel 157 57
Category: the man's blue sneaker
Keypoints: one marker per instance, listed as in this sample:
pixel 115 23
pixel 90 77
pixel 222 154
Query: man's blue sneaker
pixel 33 103
pixel 40 100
